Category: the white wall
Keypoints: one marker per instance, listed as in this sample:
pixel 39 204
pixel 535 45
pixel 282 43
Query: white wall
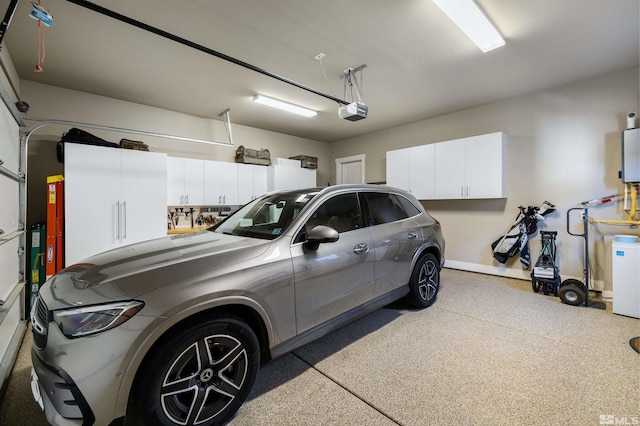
pixel 50 102
pixel 564 146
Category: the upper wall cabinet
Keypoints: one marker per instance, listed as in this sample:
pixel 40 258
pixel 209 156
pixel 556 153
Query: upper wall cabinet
pixel 412 169
pixel 252 182
pixel 467 168
pixel 220 183
pixel 472 167
pixel 185 178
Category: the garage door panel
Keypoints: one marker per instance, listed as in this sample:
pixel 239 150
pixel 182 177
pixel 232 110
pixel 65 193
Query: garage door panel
pixel 9 266
pixel 9 152
pixel 9 212
pixel 9 326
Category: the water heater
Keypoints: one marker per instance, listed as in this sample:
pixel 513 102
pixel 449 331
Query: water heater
pixel 630 156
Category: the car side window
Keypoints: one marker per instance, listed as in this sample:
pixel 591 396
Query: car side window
pixel 408 206
pixel 386 208
pixel 341 212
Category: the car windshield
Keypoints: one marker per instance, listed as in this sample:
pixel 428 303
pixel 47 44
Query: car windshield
pixel 266 217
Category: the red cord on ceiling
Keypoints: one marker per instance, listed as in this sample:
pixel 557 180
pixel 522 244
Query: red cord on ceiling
pixel 41 50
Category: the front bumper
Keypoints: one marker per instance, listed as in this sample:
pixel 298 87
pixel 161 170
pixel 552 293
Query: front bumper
pixel 58 395
pixel 80 381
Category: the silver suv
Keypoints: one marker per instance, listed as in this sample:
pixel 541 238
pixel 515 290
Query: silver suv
pixel 181 324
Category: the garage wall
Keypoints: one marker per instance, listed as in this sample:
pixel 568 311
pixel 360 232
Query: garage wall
pixel 564 146
pixel 51 102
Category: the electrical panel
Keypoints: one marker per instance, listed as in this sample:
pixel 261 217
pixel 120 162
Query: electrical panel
pixel 631 156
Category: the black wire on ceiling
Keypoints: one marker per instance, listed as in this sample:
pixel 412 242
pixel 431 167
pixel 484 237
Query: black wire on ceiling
pixel 127 20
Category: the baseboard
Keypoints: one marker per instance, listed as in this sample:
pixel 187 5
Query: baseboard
pixel 503 271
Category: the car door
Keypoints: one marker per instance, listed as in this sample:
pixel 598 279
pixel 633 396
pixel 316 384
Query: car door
pixel 397 237
pixel 338 276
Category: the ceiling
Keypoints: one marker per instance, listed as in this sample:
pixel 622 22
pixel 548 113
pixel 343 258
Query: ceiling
pixel 419 64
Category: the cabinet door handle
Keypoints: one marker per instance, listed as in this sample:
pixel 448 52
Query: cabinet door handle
pixel 186 199
pixel 124 220
pixel 181 199
pixel 224 199
pixel 118 211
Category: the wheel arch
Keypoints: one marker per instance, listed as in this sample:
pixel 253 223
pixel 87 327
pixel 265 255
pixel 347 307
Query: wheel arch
pixel 424 250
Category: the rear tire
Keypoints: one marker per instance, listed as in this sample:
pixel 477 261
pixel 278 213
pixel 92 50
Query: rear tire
pixel 200 375
pixel 425 282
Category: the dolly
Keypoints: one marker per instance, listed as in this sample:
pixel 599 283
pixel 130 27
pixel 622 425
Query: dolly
pixel 572 291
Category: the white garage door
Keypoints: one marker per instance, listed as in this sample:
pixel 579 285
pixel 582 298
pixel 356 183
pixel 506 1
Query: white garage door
pixel 11 242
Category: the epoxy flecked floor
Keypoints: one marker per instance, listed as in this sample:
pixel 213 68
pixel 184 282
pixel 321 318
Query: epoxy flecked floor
pixel 488 352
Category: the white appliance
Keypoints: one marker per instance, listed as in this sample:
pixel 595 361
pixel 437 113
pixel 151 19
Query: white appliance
pixel 625 276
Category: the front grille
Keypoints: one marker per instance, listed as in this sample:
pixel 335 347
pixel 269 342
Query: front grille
pixel 40 324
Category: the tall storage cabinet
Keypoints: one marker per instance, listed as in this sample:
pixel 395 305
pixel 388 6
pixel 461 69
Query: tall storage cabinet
pixel 287 174
pixel 113 197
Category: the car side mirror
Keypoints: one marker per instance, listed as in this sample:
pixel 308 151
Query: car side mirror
pixel 319 235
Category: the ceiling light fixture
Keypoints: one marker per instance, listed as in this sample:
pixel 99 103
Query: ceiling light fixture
pixel 285 106
pixel 470 19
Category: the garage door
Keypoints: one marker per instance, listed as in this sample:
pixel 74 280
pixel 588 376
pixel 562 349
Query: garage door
pixel 12 187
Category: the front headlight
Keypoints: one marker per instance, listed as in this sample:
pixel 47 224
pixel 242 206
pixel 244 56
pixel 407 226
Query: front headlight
pixel 78 322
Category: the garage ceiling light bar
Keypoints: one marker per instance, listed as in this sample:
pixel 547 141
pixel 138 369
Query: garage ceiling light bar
pixel 470 19
pixel 284 106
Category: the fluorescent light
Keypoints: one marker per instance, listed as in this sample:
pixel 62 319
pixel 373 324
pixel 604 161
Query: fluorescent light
pixel 468 16
pixel 285 106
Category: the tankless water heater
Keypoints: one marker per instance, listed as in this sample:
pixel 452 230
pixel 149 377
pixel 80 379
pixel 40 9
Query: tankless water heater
pixel 631 156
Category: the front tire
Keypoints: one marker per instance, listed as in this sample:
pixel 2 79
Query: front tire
pixel 200 375
pixel 425 282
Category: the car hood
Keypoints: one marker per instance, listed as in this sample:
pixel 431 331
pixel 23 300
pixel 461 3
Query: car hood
pixel 130 271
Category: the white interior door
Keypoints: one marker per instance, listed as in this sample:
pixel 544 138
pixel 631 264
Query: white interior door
pixel 350 169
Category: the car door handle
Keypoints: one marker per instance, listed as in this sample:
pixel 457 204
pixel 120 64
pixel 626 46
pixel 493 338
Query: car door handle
pixel 361 248
pixel 412 235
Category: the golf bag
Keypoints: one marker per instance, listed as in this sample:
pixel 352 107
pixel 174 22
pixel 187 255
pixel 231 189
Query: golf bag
pixel 516 239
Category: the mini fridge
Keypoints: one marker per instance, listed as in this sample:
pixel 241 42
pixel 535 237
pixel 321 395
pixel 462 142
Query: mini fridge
pixel 625 276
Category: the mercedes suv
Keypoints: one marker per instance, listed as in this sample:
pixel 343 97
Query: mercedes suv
pixel 177 327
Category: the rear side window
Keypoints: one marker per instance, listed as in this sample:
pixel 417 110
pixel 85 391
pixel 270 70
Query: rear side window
pixel 408 206
pixel 387 208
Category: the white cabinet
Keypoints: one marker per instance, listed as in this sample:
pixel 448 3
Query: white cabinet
pixel 252 182
pixel 185 177
pixel 287 174
pixel 412 169
pixel 473 167
pixel 113 197
pixel 220 183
